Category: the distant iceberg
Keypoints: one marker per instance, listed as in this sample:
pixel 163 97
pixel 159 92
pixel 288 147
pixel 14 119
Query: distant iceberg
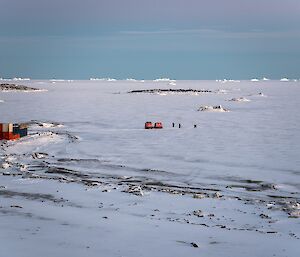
pixel 131 79
pixel 95 79
pixel 102 79
pixel 227 80
pixel 164 80
pixel 254 80
pixel 285 80
pixel 222 80
pixel 265 79
pixel 57 80
pixel 21 79
pixel 53 81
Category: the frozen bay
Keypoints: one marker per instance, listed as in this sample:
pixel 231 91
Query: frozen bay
pixel 94 182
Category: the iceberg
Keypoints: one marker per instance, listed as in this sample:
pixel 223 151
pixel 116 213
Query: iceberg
pixel 227 80
pixel 284 80
pixel 164 80
pixel 102 79
pixel 95 79
pixel 57 80
pixel 21 79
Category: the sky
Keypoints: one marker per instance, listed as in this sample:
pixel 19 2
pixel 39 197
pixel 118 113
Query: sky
pixel 146 39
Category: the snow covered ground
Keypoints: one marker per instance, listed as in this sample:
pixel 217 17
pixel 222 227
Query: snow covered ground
pixel 90 181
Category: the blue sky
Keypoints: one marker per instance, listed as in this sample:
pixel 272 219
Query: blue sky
pixel 182 39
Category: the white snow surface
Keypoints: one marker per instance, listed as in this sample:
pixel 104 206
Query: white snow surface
pixel 89 180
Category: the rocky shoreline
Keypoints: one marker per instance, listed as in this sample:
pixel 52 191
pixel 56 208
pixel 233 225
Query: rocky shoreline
pixel 14 87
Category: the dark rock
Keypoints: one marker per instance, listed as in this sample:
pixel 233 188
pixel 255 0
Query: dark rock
pixel 194 245
pixel 14 87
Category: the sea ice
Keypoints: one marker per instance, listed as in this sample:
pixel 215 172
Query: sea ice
pixel 90 179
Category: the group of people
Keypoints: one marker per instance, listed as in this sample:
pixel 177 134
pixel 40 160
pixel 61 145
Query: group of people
pixel 179 125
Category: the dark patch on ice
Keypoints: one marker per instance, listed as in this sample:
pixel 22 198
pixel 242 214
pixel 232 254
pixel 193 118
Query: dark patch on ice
pixel 77 160
pixel 15 212
pixel 280 196
pixel 255 188
pixel 248 184
pixel 102 164
pixel 30 196
pixel 170 90
pixel 16 206
pixel 64 171
pixel 190 188
pixel 214 242
pixel 71 137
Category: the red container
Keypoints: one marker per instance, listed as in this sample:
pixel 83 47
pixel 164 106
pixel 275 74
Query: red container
pixel 148 125
pixel 158 125
pixel 10 136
